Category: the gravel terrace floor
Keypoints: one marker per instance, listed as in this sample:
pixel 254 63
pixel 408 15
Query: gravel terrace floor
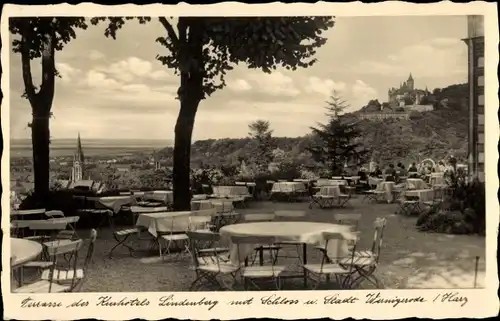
pixel 409 258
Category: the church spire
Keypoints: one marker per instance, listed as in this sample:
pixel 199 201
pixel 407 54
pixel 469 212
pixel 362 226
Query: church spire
pixel 411 77
pixel 79 149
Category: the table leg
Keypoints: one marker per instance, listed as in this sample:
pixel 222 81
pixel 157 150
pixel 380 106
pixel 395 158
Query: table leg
pixel 261 256
pixel 20 280
pixel 304 261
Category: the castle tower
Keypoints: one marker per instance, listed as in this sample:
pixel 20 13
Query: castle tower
pixel 78 162
pixel 410 83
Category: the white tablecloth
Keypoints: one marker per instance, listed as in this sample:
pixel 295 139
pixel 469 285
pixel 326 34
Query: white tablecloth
pixel 416 183
pixel 388 187
pixel 22 251
pixel 331 190
pixel 288 187
pixel 220 205
pixel 354 179
pixel 329 182
pixel 201 205
pixel 374 181
pixel 424 195
pixel 113 203
pixel 172 221
pixel 231 191
pixel 437 180
pixel 299 232
pixel 166 197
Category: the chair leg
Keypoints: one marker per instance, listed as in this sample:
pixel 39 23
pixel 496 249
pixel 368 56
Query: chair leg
pixel 121 242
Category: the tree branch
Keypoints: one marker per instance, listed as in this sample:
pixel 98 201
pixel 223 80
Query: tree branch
pixel 170 30
pixel 26 65
pixel 48 68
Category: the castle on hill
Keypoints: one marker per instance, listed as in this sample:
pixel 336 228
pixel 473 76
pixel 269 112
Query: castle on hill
pixel 406 94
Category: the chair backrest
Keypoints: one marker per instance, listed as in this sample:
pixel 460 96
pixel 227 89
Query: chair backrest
pixel 329 190
pixel 47 225
pixel 378 234
pixel 196 221
pixel 340 239
pixel 40 211
pixel 90 251
pixel 54 214
pixel 223 206
pixel 348 219
pixel 259 217
pixel 289 213
pixel 207 239
pixel 62 247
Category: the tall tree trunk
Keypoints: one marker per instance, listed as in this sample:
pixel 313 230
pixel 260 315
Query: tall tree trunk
pixel 41 103
pixel 190 93
pixel 40 138
pixel 182 154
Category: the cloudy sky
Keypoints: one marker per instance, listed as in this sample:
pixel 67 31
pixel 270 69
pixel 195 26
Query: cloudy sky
pixel 116 88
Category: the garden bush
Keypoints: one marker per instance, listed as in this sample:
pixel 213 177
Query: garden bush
pixel 462 212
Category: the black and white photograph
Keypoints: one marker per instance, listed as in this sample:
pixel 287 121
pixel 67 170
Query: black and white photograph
pixel 263 154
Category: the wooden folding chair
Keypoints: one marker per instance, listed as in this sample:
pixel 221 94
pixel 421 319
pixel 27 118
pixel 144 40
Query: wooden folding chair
pixel 49 282
pixel 70 220
pixel 250 274
pixel 365 262
pixel 375 194
pixel 76 276
pixel 409 205
pixel 225 213
pixel 348 219
pixel 208 262
pixel 323 198
pixel 46 230
pixel 289 215
pixel 345 219
pixel 248 218
pixel 176 237
pixel 329 265
pixel 344 198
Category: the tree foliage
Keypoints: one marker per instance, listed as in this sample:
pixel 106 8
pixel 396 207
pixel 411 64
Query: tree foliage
pixel 261 133
pixel 337 141
pixel 41 37
pixel 201 50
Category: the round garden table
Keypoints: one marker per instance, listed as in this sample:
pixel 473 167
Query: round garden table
pixel 286 232
pixel 22 251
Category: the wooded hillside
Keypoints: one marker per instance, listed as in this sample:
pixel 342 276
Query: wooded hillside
pixel 433 134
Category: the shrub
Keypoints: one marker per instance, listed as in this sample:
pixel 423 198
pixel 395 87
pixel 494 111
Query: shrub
pixel 307 174
pixel 463 212
pixel 288 171
pixel 205 176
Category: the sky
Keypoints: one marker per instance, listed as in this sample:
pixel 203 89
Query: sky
pixel 116 89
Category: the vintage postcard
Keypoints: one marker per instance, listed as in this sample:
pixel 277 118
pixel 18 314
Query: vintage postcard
pixel 233 161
